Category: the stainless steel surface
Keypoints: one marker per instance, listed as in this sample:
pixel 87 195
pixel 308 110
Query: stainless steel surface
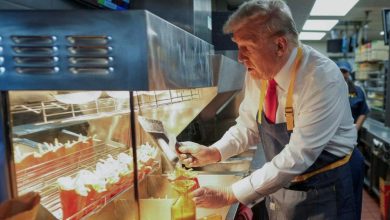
pixel 156 190
pixel 248 153
pixel 300 10
pixel 155 57
pixel 178 115
pixel 232 54
pixel 232 165
pixel 229 75
pixel 190 15
pixel 202 19
pixel 175 109
pixel 176 58
pixel 377 129
pixel 181 15
pixel 258 160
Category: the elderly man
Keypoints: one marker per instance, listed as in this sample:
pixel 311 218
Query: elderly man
pixel 296 105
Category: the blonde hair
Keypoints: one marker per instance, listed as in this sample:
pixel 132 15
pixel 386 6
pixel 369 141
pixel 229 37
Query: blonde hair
pixel 274 14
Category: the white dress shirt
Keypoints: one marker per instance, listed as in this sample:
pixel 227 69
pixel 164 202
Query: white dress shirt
pixel 322 121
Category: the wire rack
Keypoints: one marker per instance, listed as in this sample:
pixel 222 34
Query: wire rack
pixel 43 177
pixel 54 111
pixel 158 98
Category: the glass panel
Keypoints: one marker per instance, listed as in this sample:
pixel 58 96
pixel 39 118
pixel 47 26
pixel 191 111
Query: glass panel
pixel 74 148
pixel 162 116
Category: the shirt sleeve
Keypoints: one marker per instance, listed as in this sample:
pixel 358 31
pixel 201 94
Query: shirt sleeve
pixel 245 133
pixel 316 123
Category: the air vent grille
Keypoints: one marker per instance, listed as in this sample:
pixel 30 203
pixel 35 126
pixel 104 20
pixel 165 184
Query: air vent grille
pixel 2 69
pixel 34 40
pixel 90 54
pixel 35 54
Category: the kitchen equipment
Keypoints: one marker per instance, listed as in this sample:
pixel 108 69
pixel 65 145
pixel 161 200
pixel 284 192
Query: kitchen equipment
pixel 76 47
pixel 167 143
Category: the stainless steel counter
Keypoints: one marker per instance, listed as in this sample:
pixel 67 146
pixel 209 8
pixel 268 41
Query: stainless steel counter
pixel 377 129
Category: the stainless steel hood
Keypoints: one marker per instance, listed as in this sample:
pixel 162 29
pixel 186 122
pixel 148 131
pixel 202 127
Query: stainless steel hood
pixel 229 75
pixel 99 50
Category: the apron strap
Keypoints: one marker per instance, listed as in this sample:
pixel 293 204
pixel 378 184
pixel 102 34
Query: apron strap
pixel 328 167
pixel 263 89
pixel 288 110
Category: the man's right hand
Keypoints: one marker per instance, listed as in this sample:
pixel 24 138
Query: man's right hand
pixel 196 155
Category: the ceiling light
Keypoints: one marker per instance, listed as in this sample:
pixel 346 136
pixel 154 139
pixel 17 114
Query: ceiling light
pixel 382 33
pixel 332 7
pixel 319 25
pixel 311 35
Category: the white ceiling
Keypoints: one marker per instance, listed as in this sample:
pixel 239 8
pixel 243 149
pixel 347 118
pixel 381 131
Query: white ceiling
pixel 301 10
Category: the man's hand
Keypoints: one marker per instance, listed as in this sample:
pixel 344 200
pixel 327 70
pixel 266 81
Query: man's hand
pixel 213 197
pixel 196 155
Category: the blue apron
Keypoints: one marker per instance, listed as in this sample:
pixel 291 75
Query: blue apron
pixel 327 195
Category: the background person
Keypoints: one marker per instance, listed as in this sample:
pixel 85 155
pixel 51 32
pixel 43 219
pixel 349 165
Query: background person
pixel 357 98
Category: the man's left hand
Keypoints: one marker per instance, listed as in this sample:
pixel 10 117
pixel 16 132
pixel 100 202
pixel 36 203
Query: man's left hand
pixel 213 197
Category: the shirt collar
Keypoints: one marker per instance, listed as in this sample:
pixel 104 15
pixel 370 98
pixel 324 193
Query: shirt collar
pixel 282 78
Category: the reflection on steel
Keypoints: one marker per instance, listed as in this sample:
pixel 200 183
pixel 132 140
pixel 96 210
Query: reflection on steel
pixel 232 165
pixel 147 53
pixel 193 16
pixel 177 59
pixel 229 75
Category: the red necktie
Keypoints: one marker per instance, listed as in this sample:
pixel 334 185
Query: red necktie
pixel 271 101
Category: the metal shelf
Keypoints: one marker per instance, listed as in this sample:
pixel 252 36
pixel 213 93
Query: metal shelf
pixel 380 90
pixel 55 114
pixel 42 177
pixel 58 112
pixel 375 79
pixel 371 72
pixel 377 108
pixel 375 98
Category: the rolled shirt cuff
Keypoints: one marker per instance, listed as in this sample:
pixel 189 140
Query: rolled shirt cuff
pixel 245 193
